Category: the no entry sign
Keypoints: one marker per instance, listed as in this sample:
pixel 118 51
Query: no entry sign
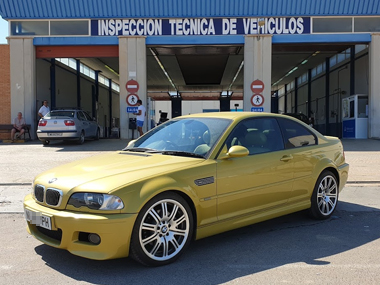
pixel 257 86
pixel 132 86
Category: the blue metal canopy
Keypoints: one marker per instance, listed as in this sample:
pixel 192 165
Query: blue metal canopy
pixel 97 9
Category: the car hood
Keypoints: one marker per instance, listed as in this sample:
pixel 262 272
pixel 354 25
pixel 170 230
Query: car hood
pixel 113 170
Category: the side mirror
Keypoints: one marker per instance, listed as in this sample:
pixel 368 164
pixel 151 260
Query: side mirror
pixel 235 151
pixel 131 142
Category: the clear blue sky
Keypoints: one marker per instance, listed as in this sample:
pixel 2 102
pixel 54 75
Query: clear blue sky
pixel 3 31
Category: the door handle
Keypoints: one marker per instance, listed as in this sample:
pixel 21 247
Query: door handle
pixel 287 157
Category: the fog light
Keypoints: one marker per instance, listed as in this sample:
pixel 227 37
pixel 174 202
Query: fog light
pixel 94 238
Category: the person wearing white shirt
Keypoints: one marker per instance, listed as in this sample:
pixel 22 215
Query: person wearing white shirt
pixel 44 109
pixel 18 126
pixel 140 116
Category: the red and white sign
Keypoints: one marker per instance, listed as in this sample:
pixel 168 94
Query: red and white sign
pixel 132 99
pixel 132 86
pixel 257 86
pixel 257 100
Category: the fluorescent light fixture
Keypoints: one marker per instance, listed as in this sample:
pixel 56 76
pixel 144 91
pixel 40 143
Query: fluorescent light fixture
pixel 304 61
pixel 110 69
pixel 226 93
pixel 173 93
pixel 236 75
pixel 163 69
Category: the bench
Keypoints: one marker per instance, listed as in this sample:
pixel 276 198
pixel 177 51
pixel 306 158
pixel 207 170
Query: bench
pixel 9 127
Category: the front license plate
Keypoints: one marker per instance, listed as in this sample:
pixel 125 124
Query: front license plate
pixel 38 219
pixel 55 134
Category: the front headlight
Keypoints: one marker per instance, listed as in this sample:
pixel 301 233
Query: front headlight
pixel 96 201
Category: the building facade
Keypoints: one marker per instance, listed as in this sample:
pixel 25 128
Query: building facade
pixel 272 56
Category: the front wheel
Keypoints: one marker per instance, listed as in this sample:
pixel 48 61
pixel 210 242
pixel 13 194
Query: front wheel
pixel 325 196
pixel 162 231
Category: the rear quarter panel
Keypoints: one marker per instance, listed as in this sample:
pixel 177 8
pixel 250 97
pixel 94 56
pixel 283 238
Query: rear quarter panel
pixel 328 154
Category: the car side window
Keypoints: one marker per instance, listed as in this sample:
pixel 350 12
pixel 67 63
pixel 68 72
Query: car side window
pixel 258 135
pixel 81 116
pixel 88 117
pixel 296 135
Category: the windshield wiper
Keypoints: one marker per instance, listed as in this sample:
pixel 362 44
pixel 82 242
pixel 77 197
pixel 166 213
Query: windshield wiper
pixel 181 153
pixel 138 149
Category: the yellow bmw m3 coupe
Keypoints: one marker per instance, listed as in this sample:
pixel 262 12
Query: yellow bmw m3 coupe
pixel 189 178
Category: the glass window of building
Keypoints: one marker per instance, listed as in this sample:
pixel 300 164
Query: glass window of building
pixel 29 28
pixel 332 25
pixel 367 24
pixel 69 28
pixel 332 60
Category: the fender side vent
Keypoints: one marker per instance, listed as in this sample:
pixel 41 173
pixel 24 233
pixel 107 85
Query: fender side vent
pixel 204 181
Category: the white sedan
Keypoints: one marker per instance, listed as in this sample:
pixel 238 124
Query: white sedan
pixel 67 124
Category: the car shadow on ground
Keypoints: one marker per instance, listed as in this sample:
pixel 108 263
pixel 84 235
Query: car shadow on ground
pixel 88 145
pixel 283 241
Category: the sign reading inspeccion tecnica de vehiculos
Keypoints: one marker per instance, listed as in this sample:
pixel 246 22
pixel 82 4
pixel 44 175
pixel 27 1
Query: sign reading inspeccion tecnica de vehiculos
pixel 200 26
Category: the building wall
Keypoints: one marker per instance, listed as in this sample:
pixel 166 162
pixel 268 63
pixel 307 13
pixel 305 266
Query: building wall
pixel 5 89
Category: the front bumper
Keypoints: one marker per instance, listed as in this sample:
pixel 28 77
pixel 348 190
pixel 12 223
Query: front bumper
pixel 66 228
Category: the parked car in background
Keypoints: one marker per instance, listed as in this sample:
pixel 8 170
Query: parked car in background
pixel 299 116
pixel 67 124
pixel 188 178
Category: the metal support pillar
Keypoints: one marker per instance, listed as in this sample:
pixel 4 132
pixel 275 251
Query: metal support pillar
pixel 53 100
pixel 296 95
pixel 132 65
pixel 78 84
pixel 257 65
pixel 327 96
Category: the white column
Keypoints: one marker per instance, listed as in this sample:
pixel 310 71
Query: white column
pixel 23 80
pixel 374 87
pixel 132 65
pixel 257 65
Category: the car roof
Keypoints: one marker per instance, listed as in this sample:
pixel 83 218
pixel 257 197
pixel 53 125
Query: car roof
pixel 232 115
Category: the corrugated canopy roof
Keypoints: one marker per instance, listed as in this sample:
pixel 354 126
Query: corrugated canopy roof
pixel 49 9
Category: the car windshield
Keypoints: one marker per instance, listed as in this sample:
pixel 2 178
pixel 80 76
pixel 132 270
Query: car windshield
pixel 194 137
pixel 57 113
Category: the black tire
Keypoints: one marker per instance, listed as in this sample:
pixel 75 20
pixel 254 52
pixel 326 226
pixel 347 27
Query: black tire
pixel 325 196
pixel 81 138
pixel 97 136
pixel 163 230
pixel 45 142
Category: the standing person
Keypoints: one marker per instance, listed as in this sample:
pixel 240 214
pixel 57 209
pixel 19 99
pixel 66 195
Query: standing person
pixel 140 116
pixel 18 126
pixel 44 109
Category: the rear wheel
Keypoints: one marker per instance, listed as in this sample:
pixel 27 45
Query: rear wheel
pixel 162 231
pixel 325 196
pixel 81 138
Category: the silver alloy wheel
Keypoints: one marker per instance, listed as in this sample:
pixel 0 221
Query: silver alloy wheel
pixel 327 195
pixel 164 230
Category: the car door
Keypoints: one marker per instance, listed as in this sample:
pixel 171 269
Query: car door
pixel 92 125
pixel 83 123
pixel 259 181
pixel 303 146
